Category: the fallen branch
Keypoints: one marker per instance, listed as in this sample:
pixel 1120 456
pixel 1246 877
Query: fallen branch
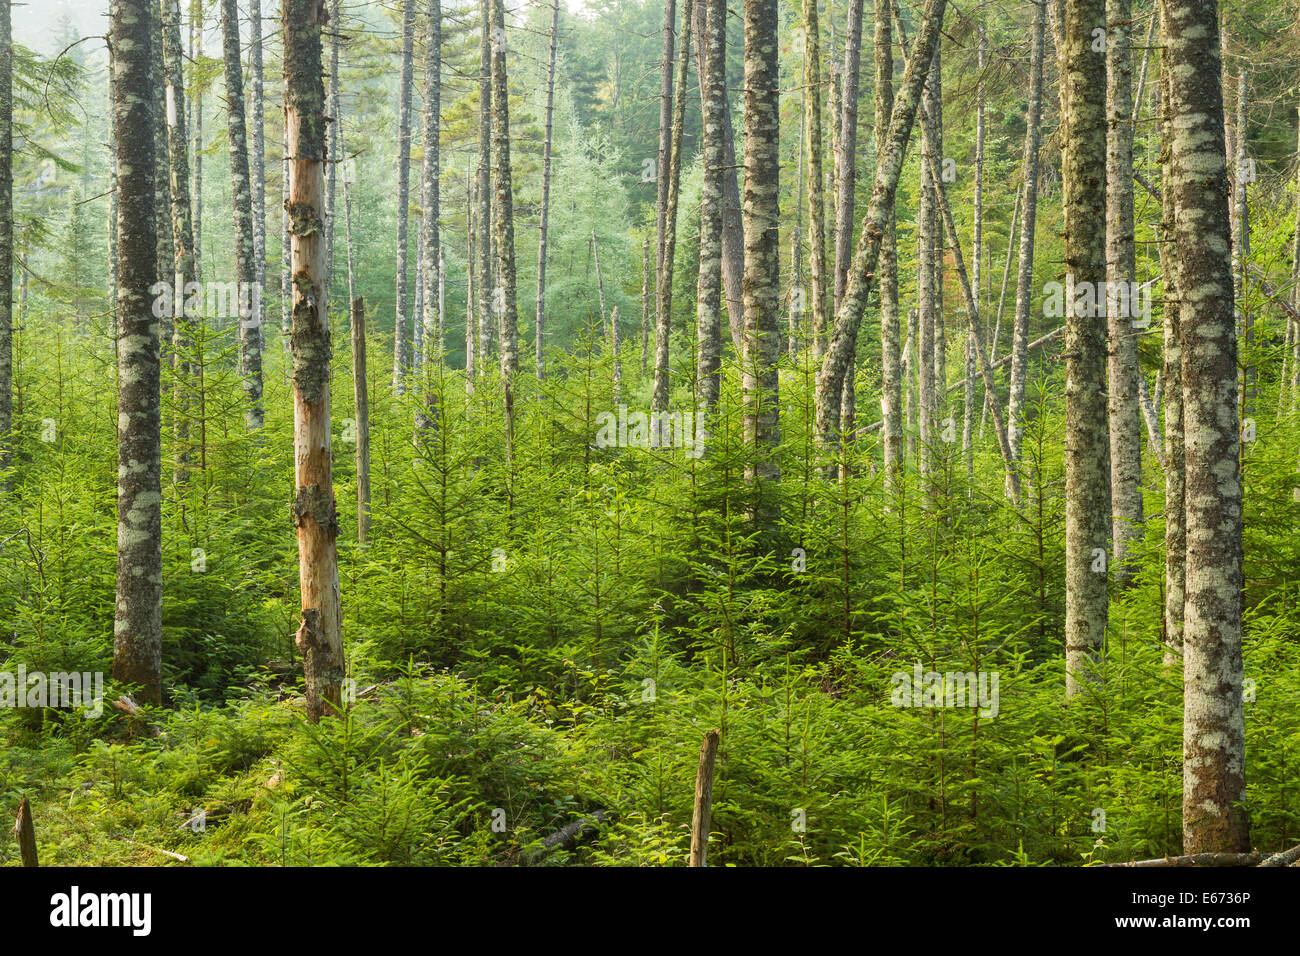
pixel 175 856
pixel 1198 859
pixel 1285 858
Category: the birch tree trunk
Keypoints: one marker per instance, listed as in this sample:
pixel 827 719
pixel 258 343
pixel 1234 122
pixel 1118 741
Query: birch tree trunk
pixel 486 296
pixel 1214 819
pixel 759 381
pixel 505 215
pixel 401 333
pixel 1028 224
pixel 659 397
pixel 812 81
pixel 1087 455
pixel 713 42
pixel 1125 412
pixel 830 378
pixel 540 328
pixel 846 177
pixel 320 635
pixel 257 173
pixel 431 199
pixel 928 249
pixel 663 325
pixel 891 398
pixel 250 332
pixel 137 623
pixel 196 42
pixel 162 192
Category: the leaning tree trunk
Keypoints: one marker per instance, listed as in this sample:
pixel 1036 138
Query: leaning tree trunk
pixel 1029 213
pixel 320 636
pixel 891 396
pixel 760 382
pixel 839 353
pixel 137 624
pixel 812 81
pixel 505 216
pixel 401 333
pixel 250 332
pixel 1087 448
pixel 6 234
pixel 1214 819
pixel 540 324
pixel 664 310
pixel 713 41
pixel 1121 270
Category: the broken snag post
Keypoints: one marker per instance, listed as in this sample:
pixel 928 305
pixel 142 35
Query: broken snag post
pixel 703 800
pixel 25 833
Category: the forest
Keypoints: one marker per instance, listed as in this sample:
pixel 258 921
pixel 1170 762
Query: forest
pixel 650 433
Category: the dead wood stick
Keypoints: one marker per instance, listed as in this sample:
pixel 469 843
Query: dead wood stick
pixel 703 800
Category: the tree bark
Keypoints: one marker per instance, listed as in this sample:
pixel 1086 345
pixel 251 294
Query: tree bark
pixel 361 400
pixel 137 624
pixel 250 332
pixel 431 201
pixel 663 324
pixel 891 397
pixel 830 378
pixel 760 383
pixel 320 635
pixel 6 234
pixel 1125 411
pixel 505 215
pixel 659 397
pixel 486 294
pixel 401 333
pixel 703 800
pixel 812 81
pixel 257 172
pixel 540 326
pixel 1214 819
pixel 713 42
pixel 1087 455
pixel 846 172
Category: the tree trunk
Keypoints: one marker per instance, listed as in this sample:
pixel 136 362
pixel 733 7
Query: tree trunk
pixel 335 153
pixel 162 193
pixel 546 195
pixel 663 325
pixel 137 624
pixel 486 294
pixel 812 82
pixel 320 636
pixel 846 173
pixel 401 333
pixel 839 354
pixel 431 201
pixel 257 173
pixel 361 400
pixel 250 333
pixel 713 42
pixel 196 42
pixel 928 250
pixel 1172 377
pixel 505 217
pixel 1028 223
pixel 1214 819
pixel 977 250
pixel 1125 411
pixel 891 397
pixel 733 238
pixel 1087 455
pixel 659 397
pixel 645 306
pixel 703 800
pixel 760 382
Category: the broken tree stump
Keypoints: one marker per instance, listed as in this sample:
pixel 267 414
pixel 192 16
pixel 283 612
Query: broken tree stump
pixel 703 800
pixel 25 833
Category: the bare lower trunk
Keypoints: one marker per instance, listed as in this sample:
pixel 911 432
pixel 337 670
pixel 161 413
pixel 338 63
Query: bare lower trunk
pixel 709 295
pixel 540 324
pixel 401 331
pixel 320 635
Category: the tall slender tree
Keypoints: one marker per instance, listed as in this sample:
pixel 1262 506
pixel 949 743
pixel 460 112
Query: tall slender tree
pixel 709 294
pixel 6 233
pixel 505 212
pixel 250 332
pixel 431 190
pixel 540 324
pixel 137 623
pixel 401 331
pixel 891 397
pixel 812 81
pixel 663 325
